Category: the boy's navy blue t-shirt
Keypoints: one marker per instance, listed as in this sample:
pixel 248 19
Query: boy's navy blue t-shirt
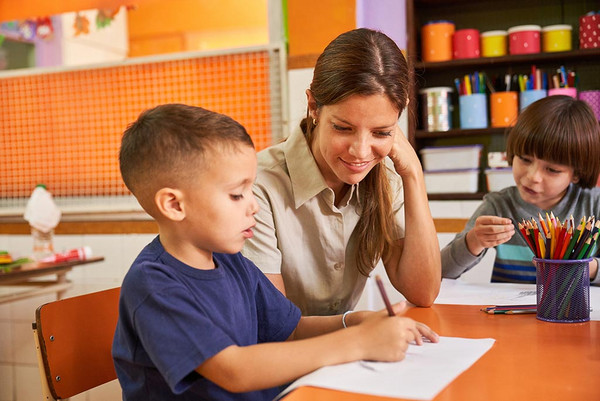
pixel 173 317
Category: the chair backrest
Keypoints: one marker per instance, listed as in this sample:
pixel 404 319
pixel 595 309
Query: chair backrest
pixel 74 340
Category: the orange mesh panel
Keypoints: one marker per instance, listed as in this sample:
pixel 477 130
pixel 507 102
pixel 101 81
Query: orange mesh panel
pixel 64 128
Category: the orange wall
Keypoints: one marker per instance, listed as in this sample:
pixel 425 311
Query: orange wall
pixel 161 26
pixel 13 9
pixel 163 16
pixel 312 24
pixel 165 26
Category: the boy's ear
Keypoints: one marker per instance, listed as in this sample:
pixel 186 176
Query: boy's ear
pixel 169 203
pixel 575 179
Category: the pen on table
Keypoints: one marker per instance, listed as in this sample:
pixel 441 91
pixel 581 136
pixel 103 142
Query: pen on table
pixel 528 306
pixel 386 300
pixel 510 311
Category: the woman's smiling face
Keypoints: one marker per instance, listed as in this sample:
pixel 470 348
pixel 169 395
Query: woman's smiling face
pixel 351 137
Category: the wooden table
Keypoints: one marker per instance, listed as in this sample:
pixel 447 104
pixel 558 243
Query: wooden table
pixel 530 360
pixel 23 282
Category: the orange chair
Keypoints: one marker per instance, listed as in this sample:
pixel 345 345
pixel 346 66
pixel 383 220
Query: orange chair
pixel 73 339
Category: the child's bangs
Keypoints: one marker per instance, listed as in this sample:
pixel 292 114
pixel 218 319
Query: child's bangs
pixel 550 146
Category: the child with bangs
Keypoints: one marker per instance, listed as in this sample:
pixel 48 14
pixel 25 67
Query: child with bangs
pixel 554 151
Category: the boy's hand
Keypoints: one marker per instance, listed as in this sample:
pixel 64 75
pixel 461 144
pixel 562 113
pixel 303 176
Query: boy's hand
pixel 387 337
pixel 423 330
pixel 488 232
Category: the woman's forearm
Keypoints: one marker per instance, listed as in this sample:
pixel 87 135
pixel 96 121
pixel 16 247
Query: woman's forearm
pixel 414 266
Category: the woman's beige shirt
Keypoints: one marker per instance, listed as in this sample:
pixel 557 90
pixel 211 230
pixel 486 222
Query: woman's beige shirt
pixel 301 234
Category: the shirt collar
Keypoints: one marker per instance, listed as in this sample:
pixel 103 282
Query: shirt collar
pixel 305 176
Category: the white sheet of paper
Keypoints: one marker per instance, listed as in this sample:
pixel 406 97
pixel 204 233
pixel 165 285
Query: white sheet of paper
pixel 458 292
pixel 425 371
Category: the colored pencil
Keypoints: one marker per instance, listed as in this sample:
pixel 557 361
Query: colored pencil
pixel 542 246
pixel 582 239
pixel 525 235
pixel 566 241
pixel 584 248
pixel 386 300
pixel 499 307
pixel 581 227
pixel 548 223
pixel 543 224
pixel 572 244
pixel 511 312
pixel 591 250
pixel 561 234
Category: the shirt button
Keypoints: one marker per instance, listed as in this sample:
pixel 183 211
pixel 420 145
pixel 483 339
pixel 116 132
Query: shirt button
pixel 338 266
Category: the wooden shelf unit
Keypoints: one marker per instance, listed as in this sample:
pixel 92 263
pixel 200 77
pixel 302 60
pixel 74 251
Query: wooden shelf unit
pixel 486 15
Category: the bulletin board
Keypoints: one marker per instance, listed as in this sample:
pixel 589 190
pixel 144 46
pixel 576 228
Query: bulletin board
pixel 63 128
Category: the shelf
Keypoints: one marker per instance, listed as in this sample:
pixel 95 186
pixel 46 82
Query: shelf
pixel 457 196
pixel 482 62
pixel 486 15
pixel 420 134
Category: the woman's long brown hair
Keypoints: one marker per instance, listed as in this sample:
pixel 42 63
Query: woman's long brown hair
pixel 364 62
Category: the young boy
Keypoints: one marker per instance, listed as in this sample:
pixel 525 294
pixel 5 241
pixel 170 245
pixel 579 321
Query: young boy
pixel 196 319
pixel 553 149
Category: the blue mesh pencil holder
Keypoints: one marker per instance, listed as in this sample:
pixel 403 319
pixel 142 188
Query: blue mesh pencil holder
pixel 563 290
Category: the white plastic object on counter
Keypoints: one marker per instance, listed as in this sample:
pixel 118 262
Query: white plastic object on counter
pixel 82 253
pixel 43 215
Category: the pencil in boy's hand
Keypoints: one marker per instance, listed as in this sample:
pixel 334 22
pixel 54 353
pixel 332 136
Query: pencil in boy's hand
pixel 386 300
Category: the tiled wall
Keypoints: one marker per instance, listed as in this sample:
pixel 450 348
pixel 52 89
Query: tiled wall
pixel 19 375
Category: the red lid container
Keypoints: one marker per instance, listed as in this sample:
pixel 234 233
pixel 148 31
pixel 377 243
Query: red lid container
pixel 465 44
pixel 524 39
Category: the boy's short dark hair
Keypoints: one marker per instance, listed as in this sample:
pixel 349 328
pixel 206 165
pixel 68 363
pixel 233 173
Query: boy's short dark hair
pixel 168 143
pixel 562 130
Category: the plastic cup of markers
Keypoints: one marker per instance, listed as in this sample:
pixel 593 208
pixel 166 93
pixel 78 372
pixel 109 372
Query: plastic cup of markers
pixel 529 96
pixel 473 111
pixel 563 290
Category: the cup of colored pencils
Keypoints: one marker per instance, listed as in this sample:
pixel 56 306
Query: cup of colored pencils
pixel 562 252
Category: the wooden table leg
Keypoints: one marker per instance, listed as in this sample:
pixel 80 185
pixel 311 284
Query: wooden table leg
pixel 61 278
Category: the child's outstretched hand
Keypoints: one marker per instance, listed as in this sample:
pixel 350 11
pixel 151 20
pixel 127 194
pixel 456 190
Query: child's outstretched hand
pixel 488 232
pixel 387 337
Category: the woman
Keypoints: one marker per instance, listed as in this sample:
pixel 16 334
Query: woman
pixel 333 205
